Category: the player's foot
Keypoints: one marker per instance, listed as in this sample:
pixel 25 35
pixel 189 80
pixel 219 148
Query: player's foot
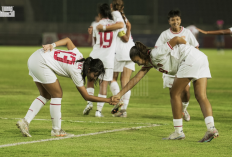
pixel 121 113
pixel 98 114
pixel 209 135
pixel 186 115
pixel 116 107
pixel 24 127
pixel 60 133
pixel 88 108
pixel 175 136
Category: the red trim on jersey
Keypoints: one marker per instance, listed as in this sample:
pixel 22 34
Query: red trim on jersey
pixel 40 100
pixel 178 32
pixel 169 45
pixel 55 104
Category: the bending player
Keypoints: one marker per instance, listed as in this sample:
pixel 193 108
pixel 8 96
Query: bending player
pixel 174 19
pixel 186 63
pixel 43 68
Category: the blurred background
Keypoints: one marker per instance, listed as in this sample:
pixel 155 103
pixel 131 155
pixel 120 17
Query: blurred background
pixel 45 21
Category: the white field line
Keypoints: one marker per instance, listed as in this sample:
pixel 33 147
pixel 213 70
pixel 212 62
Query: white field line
pixel 81 135
pixel 74 121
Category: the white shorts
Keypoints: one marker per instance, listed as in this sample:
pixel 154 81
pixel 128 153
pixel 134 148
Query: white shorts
pixel 199 69
pixel 119 65
pixel 38 69
pixel 168 81
pixel 108 75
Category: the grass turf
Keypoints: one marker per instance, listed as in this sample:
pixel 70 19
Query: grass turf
pixel 149 104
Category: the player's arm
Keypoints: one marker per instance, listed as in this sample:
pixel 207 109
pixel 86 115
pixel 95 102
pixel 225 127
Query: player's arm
pixel 63 42
pixel 132 82
pixel 125 36
pixel 90 32
pixel 102 28
pixel 88 97
pixel 176 41
pixel 216 32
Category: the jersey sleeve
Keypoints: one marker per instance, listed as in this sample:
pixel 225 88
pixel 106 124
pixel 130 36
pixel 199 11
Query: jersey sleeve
pixel 160 40
pixel 77 79
pixel 192 40
pixel 94 32
pixel 117 16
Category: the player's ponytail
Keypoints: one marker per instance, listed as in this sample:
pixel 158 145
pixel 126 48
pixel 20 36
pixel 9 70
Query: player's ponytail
pixel 140 50
pixel 92 65
pixel 119 5
pixel 105 11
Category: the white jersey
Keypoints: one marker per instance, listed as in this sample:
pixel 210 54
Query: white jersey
pixel 193 29
pixel 168 60
pixel 230 29
pixel 93 24
pixel 105 46
pixel 63 64
pixel 184 33
pixel 123 48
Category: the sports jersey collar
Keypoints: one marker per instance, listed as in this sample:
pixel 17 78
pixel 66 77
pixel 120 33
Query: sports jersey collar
pixel 178 32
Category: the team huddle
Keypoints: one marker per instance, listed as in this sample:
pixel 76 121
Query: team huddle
pixel 176 55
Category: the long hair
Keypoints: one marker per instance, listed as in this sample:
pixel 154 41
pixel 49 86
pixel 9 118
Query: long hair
pixel 93 65
pixel 139 50
pixel 105 11
pixel 119 5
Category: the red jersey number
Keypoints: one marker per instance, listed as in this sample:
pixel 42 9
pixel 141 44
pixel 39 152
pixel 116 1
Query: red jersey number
pixel 65 57
pixel 106 39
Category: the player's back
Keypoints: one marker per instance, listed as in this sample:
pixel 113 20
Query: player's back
pixel 105 46
pixel 63 62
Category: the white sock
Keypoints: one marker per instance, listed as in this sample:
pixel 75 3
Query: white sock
pixel 90 92
pixel 100 104
pixel 185 105
pixel 209 121
pixel 178 125
pixel 114 88
pixel 125 99
pixel 55 111
pixel 35 107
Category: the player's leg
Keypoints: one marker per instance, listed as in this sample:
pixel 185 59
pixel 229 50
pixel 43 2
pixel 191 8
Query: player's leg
pixel 114 87
pixel 185 102
pixel 102 94
pixel 176 91
pixel 200 86
pixel 35 107
pixel 90 90
pixel 55 90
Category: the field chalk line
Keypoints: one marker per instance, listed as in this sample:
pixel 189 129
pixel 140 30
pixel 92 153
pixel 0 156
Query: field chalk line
pixel 73 121
pixel 81 135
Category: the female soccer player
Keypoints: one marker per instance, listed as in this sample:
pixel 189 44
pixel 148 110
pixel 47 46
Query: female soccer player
pixel 43 67
pixel 174 20
pixel 217 32
pixel 187 63
pixel 122 62
pixel 104 49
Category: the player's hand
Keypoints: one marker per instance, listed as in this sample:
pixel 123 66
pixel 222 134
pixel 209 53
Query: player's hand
pixel 99 28
pixel 114 100
pixel 90 30
pixel 47 47
pixel 128 25
pixel 202 31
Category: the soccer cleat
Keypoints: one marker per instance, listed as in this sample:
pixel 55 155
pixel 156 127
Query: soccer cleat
pixel 24 127
pixel 121 113
pixel 186 115
pixel 60 133
pixel 175 136
pixel 209 135
pixel 88 108
pixel 98 114
pixel 116 107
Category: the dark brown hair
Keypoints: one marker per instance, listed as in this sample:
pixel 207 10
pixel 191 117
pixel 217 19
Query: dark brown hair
pixel 140 50
pixel 119 5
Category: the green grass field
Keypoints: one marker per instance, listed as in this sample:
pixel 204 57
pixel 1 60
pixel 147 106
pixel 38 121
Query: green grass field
pixel 149 104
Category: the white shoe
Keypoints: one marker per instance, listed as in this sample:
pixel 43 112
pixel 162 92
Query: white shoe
pixel 121 113
pixel 88 108
pixel 186 115
pixel 60 133
pixel 176 136
pixel 98 114
pixel 24 127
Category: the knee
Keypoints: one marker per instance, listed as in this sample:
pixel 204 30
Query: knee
pixel 46 95
pixel 174 95
pixel 200 97
pixel 57 95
